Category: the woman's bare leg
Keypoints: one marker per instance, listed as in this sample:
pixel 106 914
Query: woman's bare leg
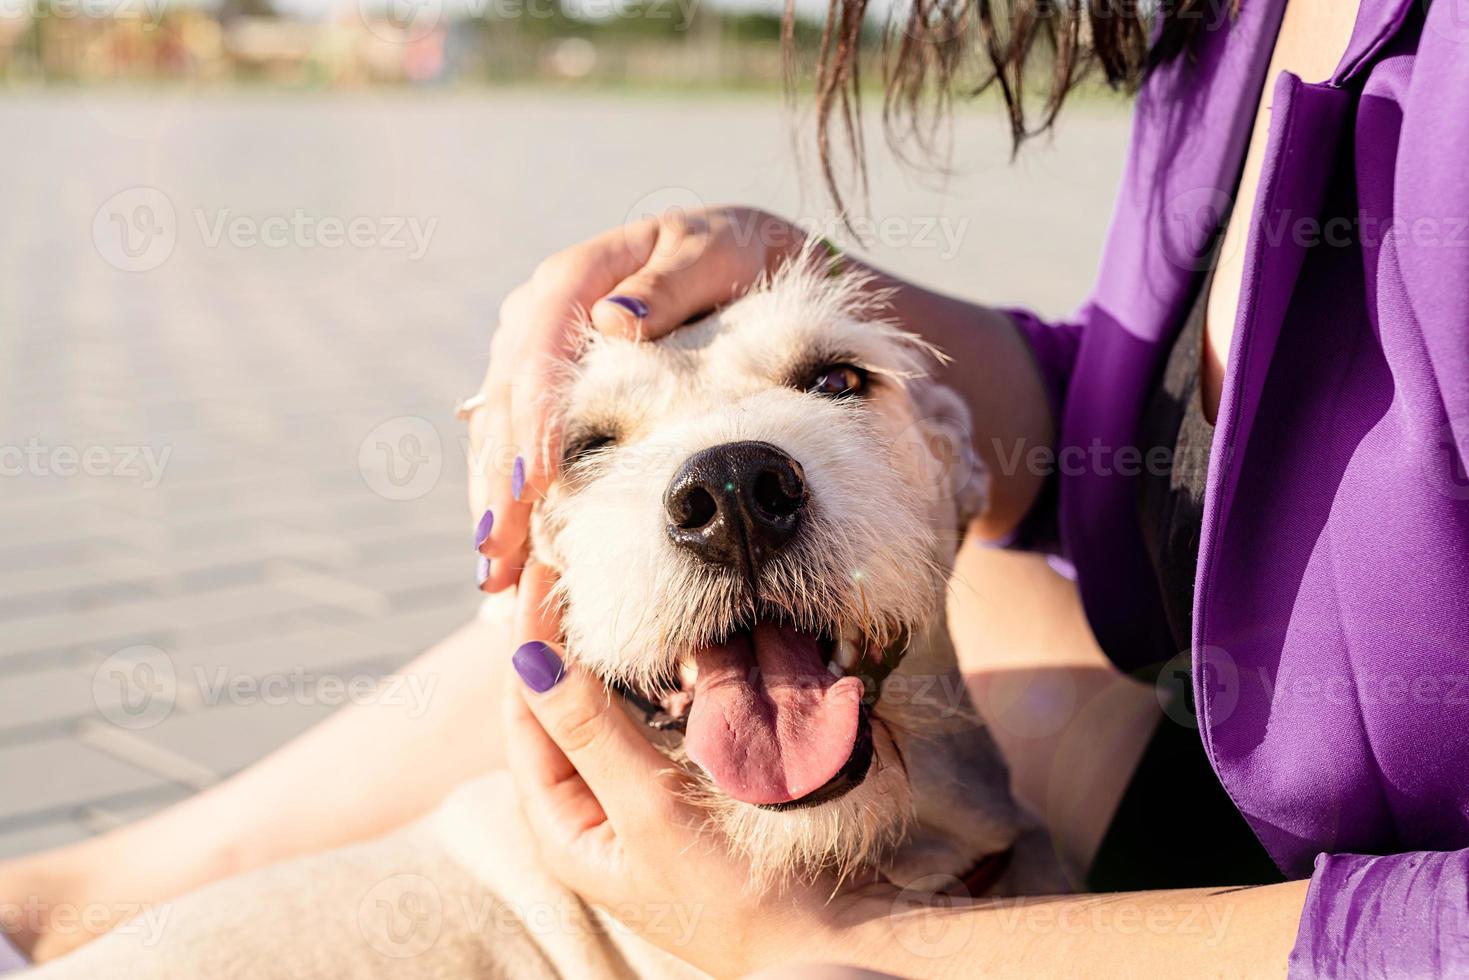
pixel 365 770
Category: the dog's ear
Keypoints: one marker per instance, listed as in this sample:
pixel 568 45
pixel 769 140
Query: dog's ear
pixel 956 474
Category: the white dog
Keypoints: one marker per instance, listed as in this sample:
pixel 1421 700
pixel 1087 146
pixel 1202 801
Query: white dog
pixel 754 528
pixel 754 531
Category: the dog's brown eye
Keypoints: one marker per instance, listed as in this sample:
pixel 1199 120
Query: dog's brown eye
pixel 838 381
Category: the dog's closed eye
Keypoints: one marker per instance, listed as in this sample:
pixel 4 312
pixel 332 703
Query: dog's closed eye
pixel 582 446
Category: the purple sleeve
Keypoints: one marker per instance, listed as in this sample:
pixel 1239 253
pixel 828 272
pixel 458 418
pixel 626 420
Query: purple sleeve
pixel 1053 346
pixel 1403 915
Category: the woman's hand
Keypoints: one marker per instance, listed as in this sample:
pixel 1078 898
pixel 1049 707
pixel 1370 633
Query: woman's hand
pixel 612 824
pixel 643 279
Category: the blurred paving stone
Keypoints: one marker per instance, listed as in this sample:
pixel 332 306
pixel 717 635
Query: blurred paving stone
pixel 408 576
pixel 313 648
pixel 100 817
pixel 55 774
pixel 225 737
pixel 49 702
pixel 213 608
pixel 41 838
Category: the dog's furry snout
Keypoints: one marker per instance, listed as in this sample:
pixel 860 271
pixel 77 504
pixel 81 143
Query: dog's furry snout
pixel 736 504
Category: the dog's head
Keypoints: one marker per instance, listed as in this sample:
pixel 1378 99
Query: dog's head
pixel 755 523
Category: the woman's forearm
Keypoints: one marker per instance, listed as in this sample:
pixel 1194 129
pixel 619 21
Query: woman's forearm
pixel 993 371
pixel 1182 933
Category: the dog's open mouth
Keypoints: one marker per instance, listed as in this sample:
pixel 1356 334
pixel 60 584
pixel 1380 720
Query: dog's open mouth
pixel 777 716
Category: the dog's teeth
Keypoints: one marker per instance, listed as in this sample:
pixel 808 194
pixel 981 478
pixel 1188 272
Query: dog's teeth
pixel 836 669
pixel 846 655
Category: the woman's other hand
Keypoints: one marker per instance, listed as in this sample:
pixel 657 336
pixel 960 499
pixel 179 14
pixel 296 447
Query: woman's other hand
pixel 641 280
pixel 612 822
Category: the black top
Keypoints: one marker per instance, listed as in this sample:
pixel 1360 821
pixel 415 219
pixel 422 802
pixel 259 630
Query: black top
pixel 1176 827
pixel 1171 500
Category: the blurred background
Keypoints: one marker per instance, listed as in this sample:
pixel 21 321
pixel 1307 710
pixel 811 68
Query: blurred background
pixel 251 254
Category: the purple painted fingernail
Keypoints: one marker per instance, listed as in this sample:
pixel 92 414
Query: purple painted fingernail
pixel 517 479
pixel 481 571
pixel 483 529
pixel 632 304
pixel 537 665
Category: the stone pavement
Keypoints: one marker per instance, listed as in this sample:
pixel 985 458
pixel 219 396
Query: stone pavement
pixel 232 329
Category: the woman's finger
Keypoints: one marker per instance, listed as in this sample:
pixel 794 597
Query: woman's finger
pixel 536 614
pixel 576 839
pixel 499 533
pixel 539 761
pixel 544 316
pixel 687 270
pixel 535 434
pixel 478 488
pixel 628 777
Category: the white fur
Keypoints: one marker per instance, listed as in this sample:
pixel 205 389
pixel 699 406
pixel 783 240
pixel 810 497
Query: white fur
pixel 874 552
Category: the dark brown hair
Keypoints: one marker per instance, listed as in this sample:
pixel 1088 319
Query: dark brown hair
pixel 948 48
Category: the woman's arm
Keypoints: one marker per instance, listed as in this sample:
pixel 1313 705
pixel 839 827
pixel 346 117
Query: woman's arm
pixel 1359 915
pixel 995 372
pixel 1193 932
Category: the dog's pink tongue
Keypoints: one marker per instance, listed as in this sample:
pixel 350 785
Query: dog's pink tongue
pixel 769 723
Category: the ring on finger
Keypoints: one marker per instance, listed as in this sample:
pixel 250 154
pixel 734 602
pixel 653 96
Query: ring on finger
pixel 466 406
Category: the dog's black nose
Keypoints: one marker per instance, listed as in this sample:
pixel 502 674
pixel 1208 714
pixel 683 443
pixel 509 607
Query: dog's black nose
pixel 736 504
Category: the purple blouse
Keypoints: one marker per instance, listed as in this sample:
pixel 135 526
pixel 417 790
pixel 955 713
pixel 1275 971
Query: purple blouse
pixel 1331 613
